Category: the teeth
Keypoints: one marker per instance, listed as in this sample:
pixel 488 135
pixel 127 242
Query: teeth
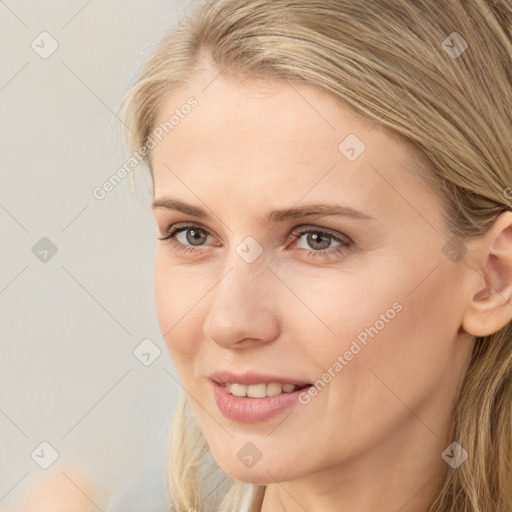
pixel 274 389
pixel 259 390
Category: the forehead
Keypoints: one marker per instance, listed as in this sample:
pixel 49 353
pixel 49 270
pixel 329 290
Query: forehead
pixel 282 116
pixel 291 138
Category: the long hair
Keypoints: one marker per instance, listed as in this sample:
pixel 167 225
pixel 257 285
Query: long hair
pixel 437 74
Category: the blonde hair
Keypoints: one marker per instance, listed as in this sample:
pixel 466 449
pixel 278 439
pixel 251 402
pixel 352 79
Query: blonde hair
pixel 400 65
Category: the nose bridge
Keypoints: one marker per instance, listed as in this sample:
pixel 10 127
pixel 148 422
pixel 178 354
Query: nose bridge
pixel 245 269
pixel 243 303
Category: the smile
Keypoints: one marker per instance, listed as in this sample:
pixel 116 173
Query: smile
pixel 255 405
pixel 260 390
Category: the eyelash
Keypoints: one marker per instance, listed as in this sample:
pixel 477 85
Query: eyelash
pixel 345 243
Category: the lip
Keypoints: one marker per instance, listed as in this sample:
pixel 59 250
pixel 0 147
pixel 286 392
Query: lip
pixel 252 410
pixel 249 378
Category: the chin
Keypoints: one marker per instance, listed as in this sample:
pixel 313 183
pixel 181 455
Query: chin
pixel 263 472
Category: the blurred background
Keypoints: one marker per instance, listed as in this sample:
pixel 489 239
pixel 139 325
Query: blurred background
pixel 85 377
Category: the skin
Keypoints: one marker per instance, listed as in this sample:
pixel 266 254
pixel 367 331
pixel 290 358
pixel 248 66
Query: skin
pixel 372 438
pixel 67 490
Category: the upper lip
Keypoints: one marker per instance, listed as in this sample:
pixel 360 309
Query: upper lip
pixel 248 378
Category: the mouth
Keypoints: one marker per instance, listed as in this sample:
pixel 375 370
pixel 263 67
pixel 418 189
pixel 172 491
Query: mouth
pixel 261 390
pixel 255 401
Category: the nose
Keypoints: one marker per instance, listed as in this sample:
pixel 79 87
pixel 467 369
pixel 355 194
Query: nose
pixel 243 309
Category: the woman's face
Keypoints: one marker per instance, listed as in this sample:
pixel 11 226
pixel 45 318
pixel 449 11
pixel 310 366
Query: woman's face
pixel 268 281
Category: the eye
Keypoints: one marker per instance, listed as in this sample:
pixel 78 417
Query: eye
pixel 190 234
pixel 190 237
pixel 320 240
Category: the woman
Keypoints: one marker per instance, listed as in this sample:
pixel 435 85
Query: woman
pixel 334 265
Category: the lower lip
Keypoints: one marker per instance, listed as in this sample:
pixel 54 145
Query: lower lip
pixel 252 410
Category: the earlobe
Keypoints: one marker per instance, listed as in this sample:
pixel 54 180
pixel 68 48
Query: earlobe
pixel 490 307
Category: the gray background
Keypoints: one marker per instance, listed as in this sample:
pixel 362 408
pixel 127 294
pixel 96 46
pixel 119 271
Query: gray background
pixel 69 325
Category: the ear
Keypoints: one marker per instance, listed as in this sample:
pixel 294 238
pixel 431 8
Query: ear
pixel 490 306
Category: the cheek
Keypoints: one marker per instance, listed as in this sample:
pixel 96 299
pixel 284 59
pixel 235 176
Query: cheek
pixel 176 296
pixel 339 306
pixel 396 355
pixel 394 337
pixel 417 346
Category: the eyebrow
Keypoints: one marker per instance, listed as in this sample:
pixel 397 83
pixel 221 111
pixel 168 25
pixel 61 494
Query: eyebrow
pixel 275 216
